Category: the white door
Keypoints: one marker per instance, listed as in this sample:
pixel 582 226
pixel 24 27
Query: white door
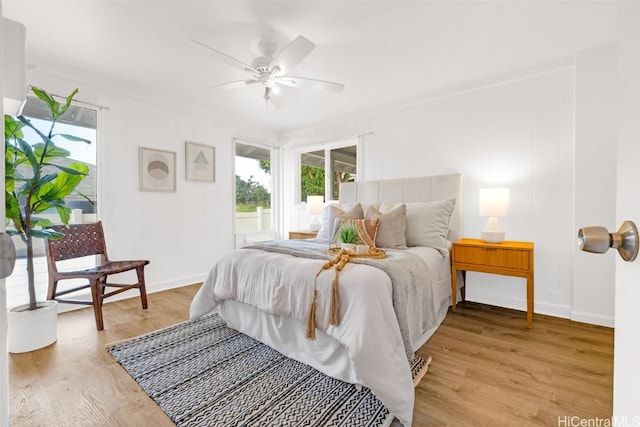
pixel 626 375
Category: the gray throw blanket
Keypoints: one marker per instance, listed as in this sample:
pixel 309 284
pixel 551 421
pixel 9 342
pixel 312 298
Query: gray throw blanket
pixel 413 300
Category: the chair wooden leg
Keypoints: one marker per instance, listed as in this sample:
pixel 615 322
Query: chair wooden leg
pixel 53 284
pixel 96 295
pixel 143 288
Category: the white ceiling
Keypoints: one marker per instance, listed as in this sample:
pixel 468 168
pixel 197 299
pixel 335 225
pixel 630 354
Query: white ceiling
pixel 383 51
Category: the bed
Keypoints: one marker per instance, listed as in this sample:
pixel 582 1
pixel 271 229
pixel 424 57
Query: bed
pixel 387 308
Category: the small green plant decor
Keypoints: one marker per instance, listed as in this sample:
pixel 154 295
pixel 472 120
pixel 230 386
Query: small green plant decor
pixel 349 234
pixel 34 182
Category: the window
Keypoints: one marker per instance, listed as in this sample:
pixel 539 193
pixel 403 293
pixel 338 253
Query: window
pixel 77 121
pixel 341 163
pixel 253 190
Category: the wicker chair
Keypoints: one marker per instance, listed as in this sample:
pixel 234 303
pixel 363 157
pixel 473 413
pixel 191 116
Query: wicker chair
pixel 82 240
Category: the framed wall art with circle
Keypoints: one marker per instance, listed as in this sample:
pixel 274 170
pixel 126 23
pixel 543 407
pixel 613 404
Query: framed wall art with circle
pixel 157 169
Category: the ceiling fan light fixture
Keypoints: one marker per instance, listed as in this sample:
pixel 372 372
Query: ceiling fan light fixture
pixel 272 69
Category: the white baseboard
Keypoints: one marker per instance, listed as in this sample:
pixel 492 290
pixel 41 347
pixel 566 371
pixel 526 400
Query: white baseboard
pixel 548 309
pixel 594 319
pixel 521 304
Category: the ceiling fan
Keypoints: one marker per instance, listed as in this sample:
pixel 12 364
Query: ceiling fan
pixel 272 68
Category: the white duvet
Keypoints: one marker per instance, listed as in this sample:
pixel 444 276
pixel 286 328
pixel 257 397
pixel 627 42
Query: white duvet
pixel 282 285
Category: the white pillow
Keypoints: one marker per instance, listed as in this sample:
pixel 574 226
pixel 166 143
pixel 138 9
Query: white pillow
pixel 331 212
pixel 329 215
pixel 428 224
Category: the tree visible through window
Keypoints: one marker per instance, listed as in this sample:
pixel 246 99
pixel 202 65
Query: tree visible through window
pixel 253 188
pixel 341 162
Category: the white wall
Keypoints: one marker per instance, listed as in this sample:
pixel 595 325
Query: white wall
pixel 514 130
pixel 182 233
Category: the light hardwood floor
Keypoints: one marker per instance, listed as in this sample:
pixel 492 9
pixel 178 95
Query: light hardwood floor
pixel 487 369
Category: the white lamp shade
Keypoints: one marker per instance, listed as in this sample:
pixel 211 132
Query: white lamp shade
pixel 315 204
pixel 494 202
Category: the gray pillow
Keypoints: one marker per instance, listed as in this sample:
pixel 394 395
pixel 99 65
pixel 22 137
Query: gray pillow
pixel 391 228
pixel 428 224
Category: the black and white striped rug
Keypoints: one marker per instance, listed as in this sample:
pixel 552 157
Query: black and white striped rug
pixel 203 373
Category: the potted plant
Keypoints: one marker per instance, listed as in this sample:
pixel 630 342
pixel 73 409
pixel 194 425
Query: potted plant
pixel 349 237
pixel 35 183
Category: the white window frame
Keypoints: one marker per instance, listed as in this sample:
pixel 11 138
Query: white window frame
pixel 327 147
pixel 243 238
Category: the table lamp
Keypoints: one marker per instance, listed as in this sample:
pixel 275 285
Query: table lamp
pixel 494 202
pixel 315 204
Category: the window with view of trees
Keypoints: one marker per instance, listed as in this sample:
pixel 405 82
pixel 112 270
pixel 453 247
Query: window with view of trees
pixel 322 171
pixel 253 188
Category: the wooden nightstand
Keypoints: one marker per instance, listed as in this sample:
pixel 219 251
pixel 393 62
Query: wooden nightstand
pixel 302 234
pixel 506 258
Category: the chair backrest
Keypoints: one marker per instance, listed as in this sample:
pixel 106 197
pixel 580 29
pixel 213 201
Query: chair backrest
pixel 79 240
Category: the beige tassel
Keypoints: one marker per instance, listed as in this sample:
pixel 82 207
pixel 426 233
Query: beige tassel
pixel 343 260
pixel 311 321
pixel 334 306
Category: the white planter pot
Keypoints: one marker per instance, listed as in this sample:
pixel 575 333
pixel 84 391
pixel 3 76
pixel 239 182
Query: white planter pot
pixel 31 330
pixel 348 247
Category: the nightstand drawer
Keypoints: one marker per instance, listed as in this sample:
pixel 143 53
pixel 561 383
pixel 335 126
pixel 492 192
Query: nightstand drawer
pixel 495 257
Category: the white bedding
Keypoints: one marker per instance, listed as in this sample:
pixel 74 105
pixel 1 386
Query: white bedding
pixel 266 295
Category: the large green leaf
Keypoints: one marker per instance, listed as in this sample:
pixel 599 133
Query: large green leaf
pixel 68 169
pixel 46 233
pixel 67 104
pixel 12 207
pixel 66 183
pixel 53 151
pixel 72 138
pixel 28 153
pixel 41 222
pixel 12 128
pixel 47 178
pixel 64 212
pixel 9 184
pixel 43 95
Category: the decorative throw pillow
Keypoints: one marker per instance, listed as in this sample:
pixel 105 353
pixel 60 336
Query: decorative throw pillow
pixel 392 226
pixel 367 229
pixel 428 224
pixel 332 211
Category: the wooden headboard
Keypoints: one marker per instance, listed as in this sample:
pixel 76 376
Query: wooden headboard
pixel 421 189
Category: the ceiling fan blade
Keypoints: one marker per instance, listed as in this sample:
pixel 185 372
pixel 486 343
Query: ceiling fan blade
pixel 236 63
pixel 291 55
pixel 235 85
pixel 310 83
